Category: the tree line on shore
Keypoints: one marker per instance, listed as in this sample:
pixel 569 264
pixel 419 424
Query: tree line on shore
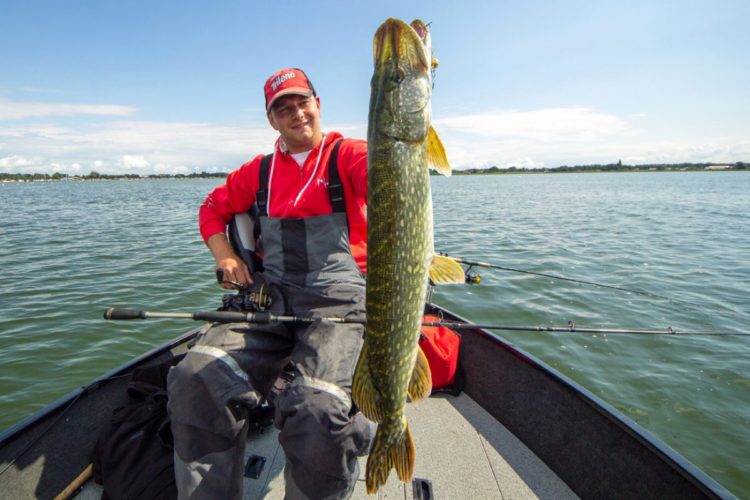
pixel 611 167
pixel 57 176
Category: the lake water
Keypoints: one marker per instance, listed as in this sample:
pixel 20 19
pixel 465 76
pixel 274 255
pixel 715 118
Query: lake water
pixel 71 249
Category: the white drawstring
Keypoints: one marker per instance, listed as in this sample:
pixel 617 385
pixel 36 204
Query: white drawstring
pixel 273 164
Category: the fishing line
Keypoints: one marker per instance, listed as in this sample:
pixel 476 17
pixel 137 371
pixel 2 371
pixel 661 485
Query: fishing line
pixel 471 279
pixel 696 306
pixel 553 276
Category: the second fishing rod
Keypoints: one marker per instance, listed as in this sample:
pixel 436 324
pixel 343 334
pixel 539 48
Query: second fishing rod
pixel 262 317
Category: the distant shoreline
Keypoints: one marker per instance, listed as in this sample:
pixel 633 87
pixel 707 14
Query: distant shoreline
pixel 105 177
pixel 614 167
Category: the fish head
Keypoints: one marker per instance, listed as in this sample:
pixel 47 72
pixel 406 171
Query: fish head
pixel 401 85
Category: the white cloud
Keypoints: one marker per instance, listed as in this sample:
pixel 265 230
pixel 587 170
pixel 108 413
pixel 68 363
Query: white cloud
pixel 573 136
pixel 15 161
pixel 20 110
pixel 131 162
pixel 711 149
pixel 132 147
pixel 531 139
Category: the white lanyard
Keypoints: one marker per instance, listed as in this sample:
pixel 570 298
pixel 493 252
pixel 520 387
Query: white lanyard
pixel 273 164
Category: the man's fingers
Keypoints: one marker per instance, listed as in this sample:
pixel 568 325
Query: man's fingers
pixel 239 274
pixel 247 279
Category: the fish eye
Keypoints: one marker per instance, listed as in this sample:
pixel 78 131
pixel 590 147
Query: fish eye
pixel 398 75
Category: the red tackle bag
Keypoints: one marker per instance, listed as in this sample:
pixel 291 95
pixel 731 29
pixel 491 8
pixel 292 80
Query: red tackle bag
pixel 440 345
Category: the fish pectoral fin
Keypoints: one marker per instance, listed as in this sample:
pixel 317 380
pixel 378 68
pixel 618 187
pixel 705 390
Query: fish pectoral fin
pixel 436 156
pixel 384 456
pixel 363 390
pixel 445 271
pixel 420 384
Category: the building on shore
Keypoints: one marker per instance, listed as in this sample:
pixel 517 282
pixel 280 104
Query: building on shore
pixel 719 167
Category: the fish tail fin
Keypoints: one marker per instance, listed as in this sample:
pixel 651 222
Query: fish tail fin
pixel 420 384
pixel 445 270
pixel 436 156
pixel 400 455
pixel 363 390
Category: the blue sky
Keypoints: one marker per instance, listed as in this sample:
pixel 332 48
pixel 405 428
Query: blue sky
pixel 176 87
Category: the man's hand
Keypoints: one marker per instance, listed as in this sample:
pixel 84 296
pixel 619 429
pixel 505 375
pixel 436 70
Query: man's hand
pixel 231 266
pixel 233 269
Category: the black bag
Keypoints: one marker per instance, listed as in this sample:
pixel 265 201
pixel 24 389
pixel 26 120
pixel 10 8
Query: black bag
pixel 133 457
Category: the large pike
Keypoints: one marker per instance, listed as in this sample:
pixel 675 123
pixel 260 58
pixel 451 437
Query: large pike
pixel 401 143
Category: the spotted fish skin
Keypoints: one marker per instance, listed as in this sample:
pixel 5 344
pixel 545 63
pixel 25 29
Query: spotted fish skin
pixel 399 235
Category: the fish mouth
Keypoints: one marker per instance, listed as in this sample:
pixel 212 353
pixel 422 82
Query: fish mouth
pixel 395 39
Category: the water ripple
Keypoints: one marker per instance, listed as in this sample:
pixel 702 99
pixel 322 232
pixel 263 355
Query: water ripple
pixel 72 249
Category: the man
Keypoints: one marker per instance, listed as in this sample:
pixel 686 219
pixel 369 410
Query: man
pixel 314 258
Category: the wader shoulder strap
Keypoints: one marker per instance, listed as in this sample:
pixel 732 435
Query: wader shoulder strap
pixel 335 188
pixel 261 196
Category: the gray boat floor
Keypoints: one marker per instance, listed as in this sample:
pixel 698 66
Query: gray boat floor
pixel 462 450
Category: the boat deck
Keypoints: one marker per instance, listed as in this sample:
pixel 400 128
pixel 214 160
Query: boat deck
pixel 461 450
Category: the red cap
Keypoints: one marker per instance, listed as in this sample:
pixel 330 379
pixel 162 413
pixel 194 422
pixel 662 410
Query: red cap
pixel 285 82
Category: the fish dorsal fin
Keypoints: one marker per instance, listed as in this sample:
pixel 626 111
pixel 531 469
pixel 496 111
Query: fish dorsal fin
pixel 436 156
pixel 445 271
pixel 420 384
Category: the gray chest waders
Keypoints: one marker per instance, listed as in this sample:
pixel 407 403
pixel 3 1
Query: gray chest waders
pixel 311 251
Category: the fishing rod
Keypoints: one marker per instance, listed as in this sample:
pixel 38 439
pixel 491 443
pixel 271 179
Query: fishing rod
pixel 265 318
pixel 571 328
pixel 552 276
pixel 259 317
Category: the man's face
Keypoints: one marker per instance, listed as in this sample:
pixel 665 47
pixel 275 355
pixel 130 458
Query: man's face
pixel 297 118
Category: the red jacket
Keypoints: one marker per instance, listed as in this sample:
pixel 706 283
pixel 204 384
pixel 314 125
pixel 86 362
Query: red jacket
pixel 285 183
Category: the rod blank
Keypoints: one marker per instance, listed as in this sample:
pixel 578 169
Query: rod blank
pixel 265 317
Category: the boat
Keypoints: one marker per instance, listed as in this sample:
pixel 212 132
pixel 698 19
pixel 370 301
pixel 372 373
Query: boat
pixel 519 429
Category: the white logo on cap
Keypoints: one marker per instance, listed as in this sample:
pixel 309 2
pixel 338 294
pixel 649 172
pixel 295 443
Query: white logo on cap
pixel 281 79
